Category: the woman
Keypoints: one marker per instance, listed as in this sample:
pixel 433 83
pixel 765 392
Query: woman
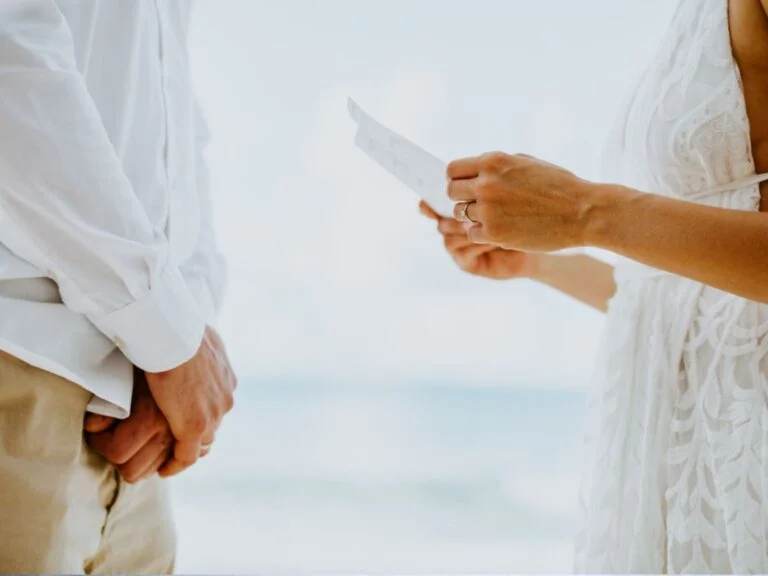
pixel 677 472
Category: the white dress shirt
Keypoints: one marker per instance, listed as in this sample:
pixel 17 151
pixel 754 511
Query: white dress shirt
pixel 107 254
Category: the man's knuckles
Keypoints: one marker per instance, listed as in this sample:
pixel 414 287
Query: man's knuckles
pixel 197 425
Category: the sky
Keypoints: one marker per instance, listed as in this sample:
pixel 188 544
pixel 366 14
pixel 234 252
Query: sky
pixel 334 274
pixel 336 277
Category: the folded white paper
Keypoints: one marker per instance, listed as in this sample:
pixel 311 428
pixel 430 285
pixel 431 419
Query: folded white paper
pixel 410 164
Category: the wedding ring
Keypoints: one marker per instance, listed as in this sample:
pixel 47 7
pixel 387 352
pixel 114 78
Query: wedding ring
pixel 465 213
pixel 205 448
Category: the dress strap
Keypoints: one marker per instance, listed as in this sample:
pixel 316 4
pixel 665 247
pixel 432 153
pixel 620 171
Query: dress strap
pixel 730 186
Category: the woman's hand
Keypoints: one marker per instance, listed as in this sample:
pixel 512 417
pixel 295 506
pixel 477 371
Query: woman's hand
pixel 480 259
pixel 519 202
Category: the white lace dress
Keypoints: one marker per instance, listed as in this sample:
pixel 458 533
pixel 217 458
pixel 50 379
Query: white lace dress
pixel 676 478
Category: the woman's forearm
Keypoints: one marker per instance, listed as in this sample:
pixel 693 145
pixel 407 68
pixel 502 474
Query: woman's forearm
pixel 586 279
pixel 727 249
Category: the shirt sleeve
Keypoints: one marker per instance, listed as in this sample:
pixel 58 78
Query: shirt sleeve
pixel 206 271
pixel 66 205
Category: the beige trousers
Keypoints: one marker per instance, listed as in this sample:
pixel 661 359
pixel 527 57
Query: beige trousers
pixel 63 509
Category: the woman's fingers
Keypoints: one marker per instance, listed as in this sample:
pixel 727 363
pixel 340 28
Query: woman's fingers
pixel 464 241
pixel 466 212
pixel 477 235
pixel 454 242
pixel 464 167
pixel 449 226
pixel 426 209
pixel 467 257
pixel 462 190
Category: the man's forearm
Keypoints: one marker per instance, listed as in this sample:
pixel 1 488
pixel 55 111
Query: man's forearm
pixel 727 249
pixel 67 206
pixel 584 278
pixel 206 270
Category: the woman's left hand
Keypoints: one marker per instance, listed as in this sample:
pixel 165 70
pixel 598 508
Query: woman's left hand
pixel 520 203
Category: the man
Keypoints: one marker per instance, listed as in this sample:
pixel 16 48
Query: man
pixel 108 267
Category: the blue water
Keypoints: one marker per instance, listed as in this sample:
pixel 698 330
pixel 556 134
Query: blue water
pixel 413 474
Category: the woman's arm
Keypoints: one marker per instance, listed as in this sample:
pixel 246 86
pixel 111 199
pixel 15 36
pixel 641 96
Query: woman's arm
pixel 727 249
pixel 520 203
pixel 582 277
pixel 722 248
pixel 588 280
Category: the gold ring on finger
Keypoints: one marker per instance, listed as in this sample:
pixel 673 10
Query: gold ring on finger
pixel 465 212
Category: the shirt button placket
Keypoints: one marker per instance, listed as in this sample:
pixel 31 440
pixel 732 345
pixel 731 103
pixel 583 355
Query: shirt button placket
pixel 163 62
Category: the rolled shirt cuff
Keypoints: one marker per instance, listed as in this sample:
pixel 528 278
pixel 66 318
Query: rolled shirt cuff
pixel 160 330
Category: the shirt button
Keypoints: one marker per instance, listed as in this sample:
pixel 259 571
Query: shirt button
pixel 119 343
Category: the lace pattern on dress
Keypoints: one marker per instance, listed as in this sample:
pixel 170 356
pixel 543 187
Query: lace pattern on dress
pixel 676 476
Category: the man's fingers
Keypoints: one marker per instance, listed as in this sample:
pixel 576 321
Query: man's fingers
pixel 148 459
pixel 172 467
pixel 121 443
pixel 95 423
pixel 194 397
pixel 101 443
pixel 185 454
pixel 154 467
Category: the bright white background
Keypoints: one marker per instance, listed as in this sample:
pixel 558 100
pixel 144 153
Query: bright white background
pixel 334 276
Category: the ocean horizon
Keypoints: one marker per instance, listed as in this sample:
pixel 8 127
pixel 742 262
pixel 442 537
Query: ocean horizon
pixel 407 478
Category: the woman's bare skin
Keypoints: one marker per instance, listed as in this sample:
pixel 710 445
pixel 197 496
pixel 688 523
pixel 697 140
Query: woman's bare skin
pixel 724 264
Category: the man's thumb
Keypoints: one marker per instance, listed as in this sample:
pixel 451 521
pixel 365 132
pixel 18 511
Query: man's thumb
pixel 95 423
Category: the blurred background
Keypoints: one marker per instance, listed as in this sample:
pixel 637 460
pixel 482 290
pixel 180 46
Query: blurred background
pixel 394 414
